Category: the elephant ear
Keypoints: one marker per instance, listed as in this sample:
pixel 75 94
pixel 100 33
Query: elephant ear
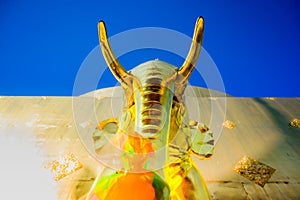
pixel 202 141
pixel 104 133
pixel 107 143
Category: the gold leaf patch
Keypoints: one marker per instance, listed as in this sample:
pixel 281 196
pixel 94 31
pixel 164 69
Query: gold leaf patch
pixel 295 123
pixel 229 124
pixel 254 170
pixel 64 166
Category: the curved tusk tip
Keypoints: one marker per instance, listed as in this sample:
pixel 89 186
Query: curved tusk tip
pixel 101 24
pixel 199 27
pixel 200 20
pixel 102 31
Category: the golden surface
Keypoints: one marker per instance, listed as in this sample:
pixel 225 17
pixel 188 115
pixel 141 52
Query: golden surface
pixel 48 123
pixel 254 170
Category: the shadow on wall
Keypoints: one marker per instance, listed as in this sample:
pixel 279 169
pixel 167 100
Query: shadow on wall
pixel 285 156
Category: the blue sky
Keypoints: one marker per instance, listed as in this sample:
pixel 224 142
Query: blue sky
pixel 255 44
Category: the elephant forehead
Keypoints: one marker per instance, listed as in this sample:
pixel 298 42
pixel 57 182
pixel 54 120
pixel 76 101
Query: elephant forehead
pixel 153 72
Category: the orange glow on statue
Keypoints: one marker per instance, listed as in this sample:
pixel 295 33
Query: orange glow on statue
pixel 154 134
